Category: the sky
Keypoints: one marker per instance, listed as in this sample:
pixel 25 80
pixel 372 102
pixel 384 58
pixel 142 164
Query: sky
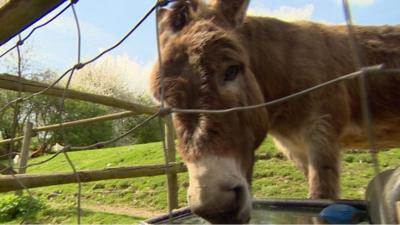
pixel 104 22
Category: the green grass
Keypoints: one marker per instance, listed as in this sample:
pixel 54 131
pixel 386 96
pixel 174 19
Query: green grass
pixel 69 216
pixel 17 208
pixel 148 192
pixel 108 157
pixel 273 178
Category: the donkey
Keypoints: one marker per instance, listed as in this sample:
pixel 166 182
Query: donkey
pixel 214 57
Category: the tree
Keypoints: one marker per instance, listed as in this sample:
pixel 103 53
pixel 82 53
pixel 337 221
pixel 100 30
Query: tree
pixel 104 77
pixel 150 132
pixel 6 120
pixel 84 134
pixel 45 110
pixel 109 77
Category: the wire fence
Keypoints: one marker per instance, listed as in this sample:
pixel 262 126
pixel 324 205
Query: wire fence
pixel 361 74
pixel 70 73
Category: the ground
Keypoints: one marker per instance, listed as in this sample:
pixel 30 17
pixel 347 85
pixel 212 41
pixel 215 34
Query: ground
pixel 127 201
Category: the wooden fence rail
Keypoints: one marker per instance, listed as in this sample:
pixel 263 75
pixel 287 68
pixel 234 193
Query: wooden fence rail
pixel 14 83
pixel 17 14
pixel 6 141
pixel 11 182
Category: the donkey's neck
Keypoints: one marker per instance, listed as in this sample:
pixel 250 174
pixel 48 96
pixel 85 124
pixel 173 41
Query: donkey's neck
pixel 271 44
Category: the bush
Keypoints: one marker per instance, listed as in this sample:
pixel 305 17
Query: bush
pixel 14 206
pixel 84 134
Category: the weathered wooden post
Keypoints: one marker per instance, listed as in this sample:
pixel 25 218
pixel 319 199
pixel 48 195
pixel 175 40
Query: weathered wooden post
pixel 398 211
pixel 170 157
pixel 25 148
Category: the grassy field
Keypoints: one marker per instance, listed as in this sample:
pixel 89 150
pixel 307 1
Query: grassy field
pixel 131 200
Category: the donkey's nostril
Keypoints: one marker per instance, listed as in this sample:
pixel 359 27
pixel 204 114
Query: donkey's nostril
pixel 239 192
pixel 237 189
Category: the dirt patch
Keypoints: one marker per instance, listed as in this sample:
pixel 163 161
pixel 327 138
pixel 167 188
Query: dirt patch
pixel 123 210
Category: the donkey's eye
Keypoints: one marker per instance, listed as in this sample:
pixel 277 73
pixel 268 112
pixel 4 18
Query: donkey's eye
pixel 232 72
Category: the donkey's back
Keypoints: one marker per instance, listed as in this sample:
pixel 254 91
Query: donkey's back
pixel 290 57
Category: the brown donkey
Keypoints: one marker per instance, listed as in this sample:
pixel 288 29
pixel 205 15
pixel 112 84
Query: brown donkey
pixel 214 57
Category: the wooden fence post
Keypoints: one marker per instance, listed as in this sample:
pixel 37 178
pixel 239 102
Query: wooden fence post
pixel 170 157
pixel 398 211
pixel 25 148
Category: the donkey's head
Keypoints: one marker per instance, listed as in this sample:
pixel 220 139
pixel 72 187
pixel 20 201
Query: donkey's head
pixel 206 65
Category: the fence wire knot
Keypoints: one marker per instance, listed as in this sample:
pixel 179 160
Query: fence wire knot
pixel 369 69
pixel 20 42
pixel 66 148
pixel 164 111
pixel 79 66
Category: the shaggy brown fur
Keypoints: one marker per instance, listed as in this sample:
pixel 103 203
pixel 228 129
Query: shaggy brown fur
pixel 201 42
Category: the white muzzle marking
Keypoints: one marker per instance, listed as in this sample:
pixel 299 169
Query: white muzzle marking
pixel 212 180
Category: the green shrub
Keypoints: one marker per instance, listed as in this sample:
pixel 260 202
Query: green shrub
pixel 14 206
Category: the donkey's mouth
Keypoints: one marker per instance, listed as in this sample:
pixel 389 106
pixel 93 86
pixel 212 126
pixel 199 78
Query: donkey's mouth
pixel 237 212
pixel 236 215
pixel 229 217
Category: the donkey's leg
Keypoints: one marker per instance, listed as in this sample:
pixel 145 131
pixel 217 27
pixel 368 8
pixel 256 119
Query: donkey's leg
pixel 323 161
pixel 297 152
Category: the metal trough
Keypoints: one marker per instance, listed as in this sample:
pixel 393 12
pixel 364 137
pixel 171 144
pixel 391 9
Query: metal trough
pixel 271 211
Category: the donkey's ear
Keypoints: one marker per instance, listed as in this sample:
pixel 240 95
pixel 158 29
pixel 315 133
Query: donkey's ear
pixel 161 13
pixel 179 14
pixel 233 10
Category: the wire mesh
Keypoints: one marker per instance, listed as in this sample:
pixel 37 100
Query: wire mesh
pixel 70 71
pixel 361 74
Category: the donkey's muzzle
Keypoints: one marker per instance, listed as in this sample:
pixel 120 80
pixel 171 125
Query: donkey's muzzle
pixel 226 207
